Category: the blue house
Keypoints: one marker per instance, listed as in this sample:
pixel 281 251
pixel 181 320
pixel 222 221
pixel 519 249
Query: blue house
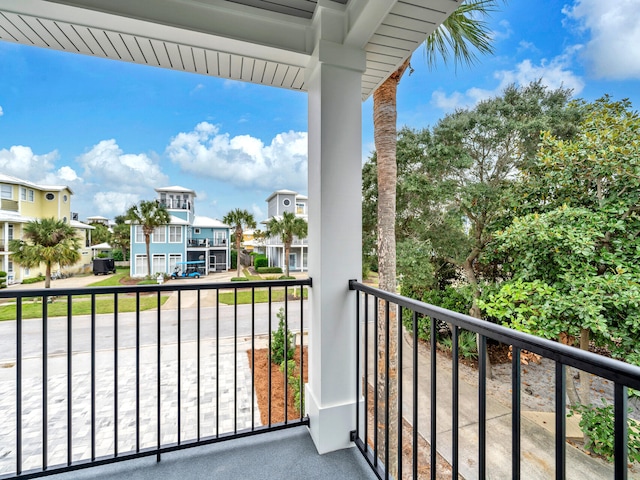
pixel 188 237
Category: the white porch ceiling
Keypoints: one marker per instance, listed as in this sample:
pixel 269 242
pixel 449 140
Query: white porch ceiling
pixel 269 42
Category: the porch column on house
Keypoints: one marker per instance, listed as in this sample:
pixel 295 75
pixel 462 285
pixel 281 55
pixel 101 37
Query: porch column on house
pixel 335 231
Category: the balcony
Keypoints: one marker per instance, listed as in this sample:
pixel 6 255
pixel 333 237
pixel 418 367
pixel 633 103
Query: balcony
pixel 174 204
pixel 206 242
pixel 156 381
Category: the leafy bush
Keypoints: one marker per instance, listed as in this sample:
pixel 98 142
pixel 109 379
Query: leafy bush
pixel 454 299
pixel 598 427
pixel 239 279
pixel 280 338
pixel 37 279
pixel 293 379
pixel 269 270
pixel 103 255
pixel 118 256
pixel 3 279
pixel 467 345
pixel 260 261
pixel 284 277
pixel 234 259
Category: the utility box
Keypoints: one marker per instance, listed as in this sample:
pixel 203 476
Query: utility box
pixel 103 266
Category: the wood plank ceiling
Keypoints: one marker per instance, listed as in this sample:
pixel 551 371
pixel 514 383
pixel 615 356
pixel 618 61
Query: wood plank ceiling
pixel 184 42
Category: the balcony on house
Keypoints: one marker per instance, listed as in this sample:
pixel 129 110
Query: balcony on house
pixel 176 204
pixel 164 388
pixel 206 242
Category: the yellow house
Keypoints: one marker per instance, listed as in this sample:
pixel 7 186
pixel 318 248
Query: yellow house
pixel 22 201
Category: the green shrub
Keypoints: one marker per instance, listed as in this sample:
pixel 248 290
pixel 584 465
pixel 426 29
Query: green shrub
pixel 118 256
pixel 280 338
pixel 284 277
pixel 293 379
pixel 456 300
pixel 3 274
pixel 269 270
pixel 37 279
pixel 103 255
pixel 467 345
pixel 3 279
pixel 234 259
pixel 260 261
pixel 239 279
pixel 598 427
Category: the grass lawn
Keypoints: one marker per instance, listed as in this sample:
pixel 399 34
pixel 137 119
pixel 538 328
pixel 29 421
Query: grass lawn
pixel 112 281
pixel 261 295
pixel 81 307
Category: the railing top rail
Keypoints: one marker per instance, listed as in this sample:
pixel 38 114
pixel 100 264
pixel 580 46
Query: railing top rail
pixel 602 366
pixel 165 287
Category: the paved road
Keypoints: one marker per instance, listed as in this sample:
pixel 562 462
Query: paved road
pixel 229 322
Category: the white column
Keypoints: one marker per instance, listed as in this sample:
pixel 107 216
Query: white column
pixel 335 239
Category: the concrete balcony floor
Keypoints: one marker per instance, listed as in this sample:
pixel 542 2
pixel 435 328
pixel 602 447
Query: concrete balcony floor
pixel 283 454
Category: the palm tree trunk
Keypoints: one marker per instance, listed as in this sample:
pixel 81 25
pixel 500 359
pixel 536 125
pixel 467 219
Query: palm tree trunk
pixel 385 136
pixel 238 253
pixel 47 276
pixel 147 241
pixel 287 247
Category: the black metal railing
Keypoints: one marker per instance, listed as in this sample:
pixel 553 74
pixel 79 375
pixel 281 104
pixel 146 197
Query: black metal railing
pixel 99 375
pixel 379 434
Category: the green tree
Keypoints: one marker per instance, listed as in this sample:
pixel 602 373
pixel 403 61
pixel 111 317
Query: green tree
pixel 47 241
pixel 148 214
pixel 485 148
pixel 239 219
pixel 100 233
pixel 120 238
pixel 286 227
pixel 573 268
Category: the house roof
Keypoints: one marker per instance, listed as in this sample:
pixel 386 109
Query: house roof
pixel 269 42
pixel 97 217
pixel 25 183
pixel 101 246
pixel 176 189
pixel 281 192
pixel 173 220
pixel 200 221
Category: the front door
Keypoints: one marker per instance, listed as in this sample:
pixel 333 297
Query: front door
pixel 292 261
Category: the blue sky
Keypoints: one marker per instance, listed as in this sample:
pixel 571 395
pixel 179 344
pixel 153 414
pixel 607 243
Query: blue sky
pixel 114 131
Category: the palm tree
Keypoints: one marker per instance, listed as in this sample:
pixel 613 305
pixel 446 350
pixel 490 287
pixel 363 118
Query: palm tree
pixel 47 241
pixel 460 35
pixel 286 228
pixel 148 214
pixel 239 219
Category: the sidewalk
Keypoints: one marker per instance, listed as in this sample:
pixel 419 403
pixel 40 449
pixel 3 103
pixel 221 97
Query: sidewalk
pixel 537 442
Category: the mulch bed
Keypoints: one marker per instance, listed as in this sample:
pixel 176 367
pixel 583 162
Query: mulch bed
pixel 261 383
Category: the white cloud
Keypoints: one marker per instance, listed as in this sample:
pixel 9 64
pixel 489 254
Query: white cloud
pixel 613 50
pixel 258 212
pixel 243 161
pixel 554 74
pixel 21 162
pixel 109 166
pixel 1 111
pixel 505 32
pixel 112 203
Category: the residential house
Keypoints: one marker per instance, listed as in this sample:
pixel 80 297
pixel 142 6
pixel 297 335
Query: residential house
pixel 21 202
pixel 188 237
pixel 279 202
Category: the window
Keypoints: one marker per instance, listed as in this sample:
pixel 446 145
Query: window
pixel 31 196
pixel 6 191
pixel 175 234
pixel 158 263
pixel 159 235
pixel 196 231
pixel 10 232
pixel 286 202
pixel 174 258
pixel 221 237
pixel 27 272
pixel 49 196
pixel 65 198
pixel 10 266
pixel 300 209
pixel 23 194
pixel 141 265
pixel 139 234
